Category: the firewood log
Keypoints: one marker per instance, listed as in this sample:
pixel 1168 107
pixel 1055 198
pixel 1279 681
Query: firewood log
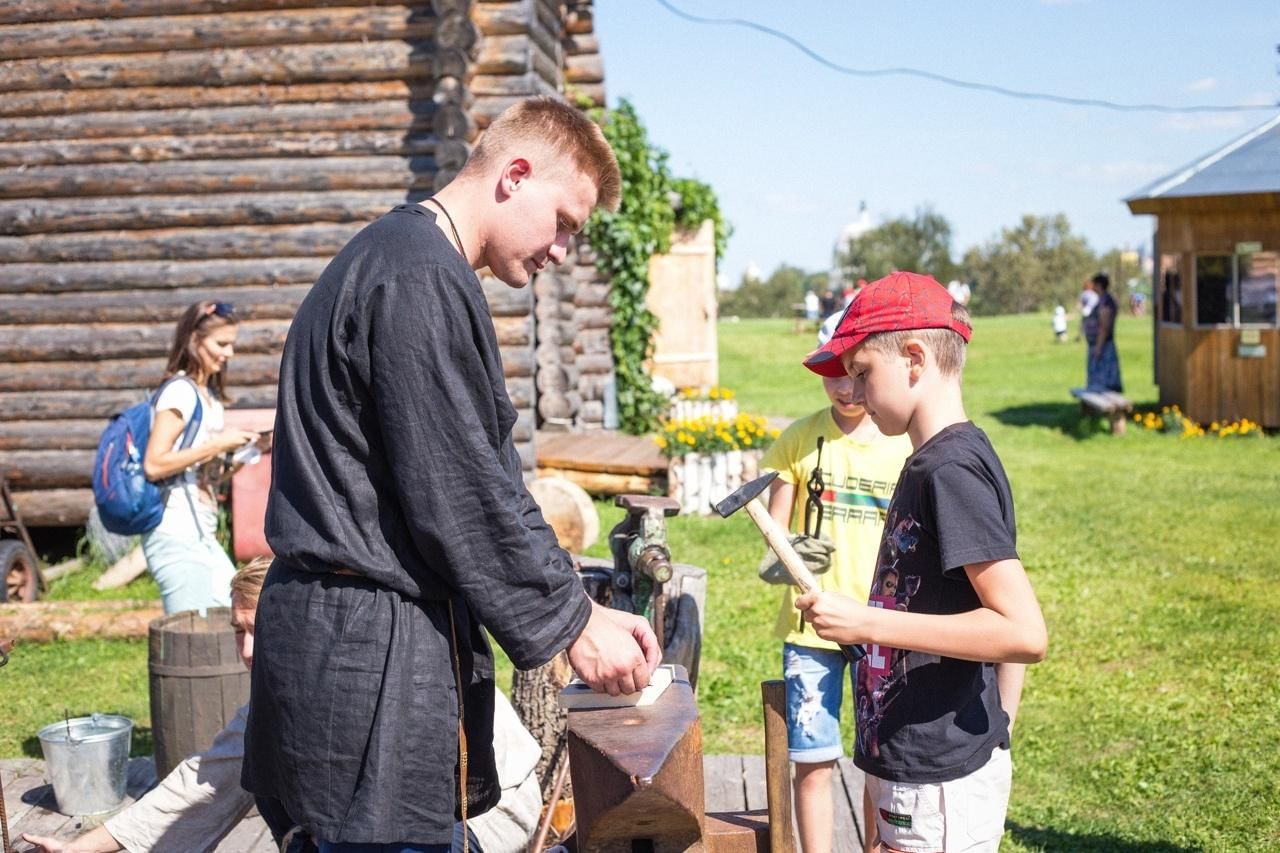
pixel 159 275
pixel 99 35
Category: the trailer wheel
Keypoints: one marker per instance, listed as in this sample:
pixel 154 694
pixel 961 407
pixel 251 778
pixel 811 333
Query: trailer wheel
pixel 18 568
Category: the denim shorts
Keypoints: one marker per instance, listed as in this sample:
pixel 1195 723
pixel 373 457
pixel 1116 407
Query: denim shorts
pixel 815 689
pixel 193 573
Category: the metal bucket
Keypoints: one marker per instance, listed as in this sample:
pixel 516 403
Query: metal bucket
pixel 86 759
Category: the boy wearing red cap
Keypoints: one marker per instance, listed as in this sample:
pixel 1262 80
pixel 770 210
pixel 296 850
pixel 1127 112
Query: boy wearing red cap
pixel 952 616
pixel 848 468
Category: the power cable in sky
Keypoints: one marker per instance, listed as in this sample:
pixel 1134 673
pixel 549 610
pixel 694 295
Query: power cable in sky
pixel 962 84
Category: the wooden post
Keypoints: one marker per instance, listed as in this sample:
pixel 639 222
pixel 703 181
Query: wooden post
pixel 777 766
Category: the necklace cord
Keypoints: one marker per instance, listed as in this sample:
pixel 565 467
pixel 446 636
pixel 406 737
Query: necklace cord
pixel 453 227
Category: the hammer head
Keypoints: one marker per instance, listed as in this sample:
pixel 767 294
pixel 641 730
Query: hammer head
pixel 745 495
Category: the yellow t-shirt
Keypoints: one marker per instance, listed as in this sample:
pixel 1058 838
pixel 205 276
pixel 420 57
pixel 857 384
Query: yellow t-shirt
pixel 859 480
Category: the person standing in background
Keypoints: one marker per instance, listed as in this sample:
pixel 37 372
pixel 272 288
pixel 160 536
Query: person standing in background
pixel 1103 365
pixel 183 555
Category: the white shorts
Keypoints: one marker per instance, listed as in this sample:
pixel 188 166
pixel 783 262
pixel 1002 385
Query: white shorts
pixel 965 815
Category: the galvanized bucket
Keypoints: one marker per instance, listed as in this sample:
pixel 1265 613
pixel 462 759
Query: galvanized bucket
pixel 86 759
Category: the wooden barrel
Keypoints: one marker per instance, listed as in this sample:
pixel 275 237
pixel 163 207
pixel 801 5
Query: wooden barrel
pixel 197 683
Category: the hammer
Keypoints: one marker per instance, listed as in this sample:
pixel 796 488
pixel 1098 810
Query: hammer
pixel 776 536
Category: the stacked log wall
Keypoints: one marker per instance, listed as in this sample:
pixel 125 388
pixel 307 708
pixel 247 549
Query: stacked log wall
pixel 538 47
pixel 593 318
pixel 517 58
pixel 592 351
pixel 557 378
pixel 157 152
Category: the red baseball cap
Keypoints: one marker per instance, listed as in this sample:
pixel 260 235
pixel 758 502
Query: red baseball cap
pixel 899 302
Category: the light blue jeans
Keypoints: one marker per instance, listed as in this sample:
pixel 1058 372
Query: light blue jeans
pixel 815 688
pixel 192 573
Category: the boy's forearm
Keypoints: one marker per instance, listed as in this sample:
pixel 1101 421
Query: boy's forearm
pixel 782 496
pixel 1009 679
pixel 979 635
pixel 1007 628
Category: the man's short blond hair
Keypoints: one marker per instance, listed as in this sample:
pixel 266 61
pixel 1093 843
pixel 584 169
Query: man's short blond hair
pixel 556 126
pixel 947 346
pixel 247 582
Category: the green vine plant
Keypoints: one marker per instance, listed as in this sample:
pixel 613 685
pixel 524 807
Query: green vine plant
pixel 623 243
pixel 698 203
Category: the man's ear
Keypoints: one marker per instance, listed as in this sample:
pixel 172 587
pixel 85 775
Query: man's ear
pixel 514 174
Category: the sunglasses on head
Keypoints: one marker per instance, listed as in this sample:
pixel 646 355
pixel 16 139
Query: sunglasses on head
pixel 222 309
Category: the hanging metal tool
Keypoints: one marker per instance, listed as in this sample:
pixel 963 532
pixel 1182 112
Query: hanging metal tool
pixel 813 503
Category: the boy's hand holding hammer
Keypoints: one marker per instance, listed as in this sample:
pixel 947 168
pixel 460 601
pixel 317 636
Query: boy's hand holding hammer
pixel 834 616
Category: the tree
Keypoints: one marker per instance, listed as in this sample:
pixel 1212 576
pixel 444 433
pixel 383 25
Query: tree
pixel 920 244
pixel 1035 265
pixel 773 297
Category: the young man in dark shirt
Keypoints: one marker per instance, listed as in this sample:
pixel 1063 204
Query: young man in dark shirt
pixel 402 529
pixel 952 617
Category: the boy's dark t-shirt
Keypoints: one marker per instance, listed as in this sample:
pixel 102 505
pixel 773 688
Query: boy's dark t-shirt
pixel 923 718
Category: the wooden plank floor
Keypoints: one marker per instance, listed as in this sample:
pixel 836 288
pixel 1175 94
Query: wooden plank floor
pixel 736 782
pixel 732 782
pixel 600 451
pixel 30 805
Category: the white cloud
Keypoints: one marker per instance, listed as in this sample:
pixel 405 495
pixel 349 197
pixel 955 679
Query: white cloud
pixel 1204 84
pixel 1223 121
pixel 1209 121
pixel 1115 170
pixel 791 204
pixel 983 170
pixel 1260 99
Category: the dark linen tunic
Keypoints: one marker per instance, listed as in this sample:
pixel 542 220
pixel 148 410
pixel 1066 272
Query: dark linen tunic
pixel 393 458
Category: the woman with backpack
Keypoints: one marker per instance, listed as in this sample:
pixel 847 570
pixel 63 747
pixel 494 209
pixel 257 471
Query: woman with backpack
pixel 183 554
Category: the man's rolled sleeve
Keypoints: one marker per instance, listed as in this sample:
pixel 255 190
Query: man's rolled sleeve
pixel 436 381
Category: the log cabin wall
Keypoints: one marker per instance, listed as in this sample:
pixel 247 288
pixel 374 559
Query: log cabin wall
pixel 1198 368
pixel 587 300
pixel 592 353
pixel 540 47
pixel 156 152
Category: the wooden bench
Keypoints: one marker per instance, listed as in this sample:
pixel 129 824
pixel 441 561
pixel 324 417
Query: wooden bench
pixel 1111 404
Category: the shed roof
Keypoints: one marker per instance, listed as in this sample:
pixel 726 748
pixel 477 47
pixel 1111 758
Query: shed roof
pixel 1249 164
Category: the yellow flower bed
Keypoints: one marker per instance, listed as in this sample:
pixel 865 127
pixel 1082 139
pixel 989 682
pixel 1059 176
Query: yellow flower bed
pixel 714 435
pixel 715 392
pixel 1170 419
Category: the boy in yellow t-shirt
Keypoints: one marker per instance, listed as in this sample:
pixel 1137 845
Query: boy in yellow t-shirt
pixel 859 468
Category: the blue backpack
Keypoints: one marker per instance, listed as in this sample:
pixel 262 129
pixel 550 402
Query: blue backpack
pixel 129 503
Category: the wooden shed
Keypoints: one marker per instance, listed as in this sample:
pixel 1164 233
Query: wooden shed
pixel 1217 252
pixel 682 294
pixel 156 152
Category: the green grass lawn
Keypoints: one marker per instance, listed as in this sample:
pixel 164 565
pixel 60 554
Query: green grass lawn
pixel 1152 726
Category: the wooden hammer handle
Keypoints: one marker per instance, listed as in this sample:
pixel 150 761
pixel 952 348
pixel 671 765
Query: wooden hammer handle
pixel 776 535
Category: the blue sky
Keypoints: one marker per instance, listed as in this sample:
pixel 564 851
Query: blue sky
pixel 792 147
